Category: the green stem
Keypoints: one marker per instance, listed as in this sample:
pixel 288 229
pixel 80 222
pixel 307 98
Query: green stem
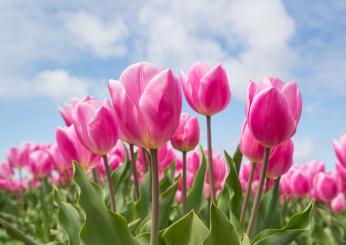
pixel 109 180
pixel 184 184
pixel 267 184
pixel 21 190
pixel 134 172
pixel 210 162
pixel 144 152
pixel 154 198
pixel 258 193
pixel 95 175
pixel 247 195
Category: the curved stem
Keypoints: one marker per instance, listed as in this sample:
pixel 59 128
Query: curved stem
pixel 134 172
pixel 267 184
pixel 258 193
pixel 184 184
pixel 109 180
pixel 95 175
pixel 247 195
pixel 210 161
pixel 154 198
pixel 144 152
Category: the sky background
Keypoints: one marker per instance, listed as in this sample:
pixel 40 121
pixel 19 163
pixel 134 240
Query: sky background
pixel 51 51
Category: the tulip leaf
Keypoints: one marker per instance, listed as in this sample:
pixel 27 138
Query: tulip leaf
pixel 166 200
pixel 144 238
pixel 237 158
pixel 233 182
pixel 189 230
pixel 196 195
pixel 101 226
pixel 221 230
pixel 143 204
pixel 273 217
pixel 69 220
pixel 297 224
pixel 16 234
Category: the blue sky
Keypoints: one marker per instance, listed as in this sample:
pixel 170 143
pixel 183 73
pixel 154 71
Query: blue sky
pixel 54 50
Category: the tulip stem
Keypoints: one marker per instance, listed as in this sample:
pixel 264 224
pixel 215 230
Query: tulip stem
pixel 110 185
pixel 134 172
pixel 144 152
pixel 267 184
pixel 210 161
pixel 184 184
pixel 247 195
pixel 95 175
pixel 258 193
pixel 21 190
pixel 154 198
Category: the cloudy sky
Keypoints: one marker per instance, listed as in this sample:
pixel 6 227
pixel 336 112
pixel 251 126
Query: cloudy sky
pixel 51 51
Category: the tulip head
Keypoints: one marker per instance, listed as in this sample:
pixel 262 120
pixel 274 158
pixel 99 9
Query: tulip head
pixel 147 103
pixel 206 89
pixel 300 184
pixel 72 149
pixel 18 156
pixel 66 111
pixel 186 137
pixel 6 170
pixel 249 146
pixel 338 204
pixel 273 110
pixel 40 163
pixel 325 187
pixel 340 149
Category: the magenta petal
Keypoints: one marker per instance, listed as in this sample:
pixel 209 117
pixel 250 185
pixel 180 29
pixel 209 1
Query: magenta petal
pixel 294 98
pixel 270 118
pixel 250 94
pixel 161 105
pixel 214 93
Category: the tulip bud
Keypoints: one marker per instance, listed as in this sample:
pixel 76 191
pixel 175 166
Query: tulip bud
pixel 187 135
pixel 19 156
pixel 273 110
pixel 299 183
pixel 325 187
pixel 206 90
pixel 249 146
pixel 40 163
pixel 6 171
pixel 340 149
pixel 95 125
pixel 67 110
pixel 72 149
pixel 338 204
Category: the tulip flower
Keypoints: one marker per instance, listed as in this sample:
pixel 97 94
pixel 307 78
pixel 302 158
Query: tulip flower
pixel 147 103
pixel 207 92
pixel 325 187
pixel 19 156
pixel 185 139
pixel 40 163
pixel 299 183
pixel 72 149
pixel 273 110
pixel 97 129
pixel 338 204
pixel 340 149
pixel 6 170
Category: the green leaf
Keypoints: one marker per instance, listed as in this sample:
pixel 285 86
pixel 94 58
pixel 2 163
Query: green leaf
pixel 237 158
pixel 298 223
pixel 166 200
pixel 16 234
pixel 221 230
pixel 189 230
pixel 144 238
pixel 69 220
pixel 272 218
pixel 101 225
pixel 196 195
pixel 233 182
pixel 143 204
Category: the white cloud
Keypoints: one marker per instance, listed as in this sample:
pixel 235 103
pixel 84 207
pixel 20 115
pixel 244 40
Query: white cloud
pixel 104 39
pixel 59 84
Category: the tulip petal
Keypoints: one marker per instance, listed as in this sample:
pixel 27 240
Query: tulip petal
pixel 294 98
pixel 161 106
pixel 270 118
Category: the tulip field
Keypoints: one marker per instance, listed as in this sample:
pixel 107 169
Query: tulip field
pixel 131 169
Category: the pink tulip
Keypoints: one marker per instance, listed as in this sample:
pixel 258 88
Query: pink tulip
pixel 338 204
pixel 325 187
pixel 6 170
pixel 280 160
pixel 340 171
pixel 40 163
pixel 249 146
pixel 67 110
pixel 95 125
pixel 72 149
pixel 340 149
pixel 60 163
pixel 206 89
pixel 116 158
pixel 299 183
pixel 19 156
pixel 273 110
pixel 186 137
pixel 147 104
